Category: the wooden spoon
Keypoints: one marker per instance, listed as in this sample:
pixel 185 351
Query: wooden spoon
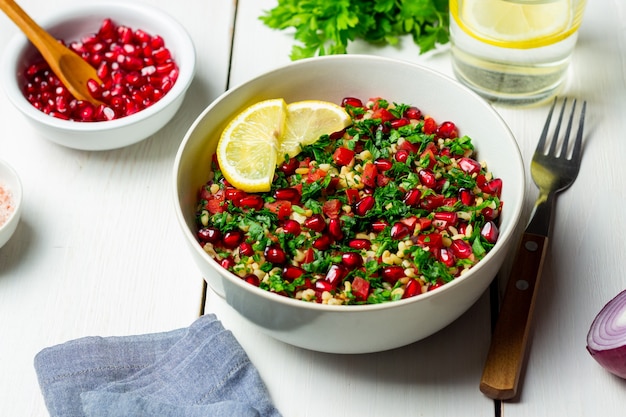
pixel 72 70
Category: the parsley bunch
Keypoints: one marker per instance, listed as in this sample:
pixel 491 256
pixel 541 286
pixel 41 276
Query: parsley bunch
pixel 325 27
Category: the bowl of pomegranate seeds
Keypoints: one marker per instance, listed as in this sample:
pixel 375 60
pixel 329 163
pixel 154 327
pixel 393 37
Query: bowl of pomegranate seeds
pixel 370 237
pixel 144 58
pixel 10 201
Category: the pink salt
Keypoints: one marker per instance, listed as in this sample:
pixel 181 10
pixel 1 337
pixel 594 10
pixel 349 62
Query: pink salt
pixel 6 205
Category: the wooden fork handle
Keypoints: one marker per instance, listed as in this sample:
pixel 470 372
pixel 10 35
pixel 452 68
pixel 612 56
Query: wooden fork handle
pixel 509 341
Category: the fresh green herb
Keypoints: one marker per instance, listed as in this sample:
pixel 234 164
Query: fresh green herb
pixel 326 27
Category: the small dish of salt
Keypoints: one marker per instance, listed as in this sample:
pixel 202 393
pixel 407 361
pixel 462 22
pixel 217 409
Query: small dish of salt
pixel 10 201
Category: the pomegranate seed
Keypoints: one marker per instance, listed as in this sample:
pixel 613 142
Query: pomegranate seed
pixel 466 196
pixel 427 178
pixel 120 57
pixel 352 260
pixel 291 272
pixel 412 197
pixel 461 249
pixel 489 214
pixel 316 223
pixel 292 226
pixel 335 275
pixel 413 288
pixel 323 242
pixel 321 285
pixel 490 232
pixel 444 219
pixel 289 194
pixel 383 164
pixel 399 231
pixel 334 228
pixel 413 113
pixel 445 255
pixel 275 255
pixel 246 249
pixel 252 279
pixel 447 130
pixel 436 285
pixel 392 273
pixel 351 101
pixel 227 263
pixel 234 194
pixel 492 187
pixel 255 202
pixel 364 205
pixel 379 226
pixel 398 123
pixel 232 239
pixel 209 234
pixel 360 244
pixel 402 155
pixel 469 165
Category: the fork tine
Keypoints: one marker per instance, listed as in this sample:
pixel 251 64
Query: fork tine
pixel 544 134
pixel 563 151
pixel 577 151
pixel 557 129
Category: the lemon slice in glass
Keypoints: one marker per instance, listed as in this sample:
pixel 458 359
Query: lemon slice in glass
pixel 308 120
pixel 516 23
pixel 248 146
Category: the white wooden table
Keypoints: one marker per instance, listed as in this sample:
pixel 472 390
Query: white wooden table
pixel 98 251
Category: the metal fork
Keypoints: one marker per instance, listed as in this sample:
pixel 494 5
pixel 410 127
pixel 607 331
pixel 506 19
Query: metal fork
pixel 553 170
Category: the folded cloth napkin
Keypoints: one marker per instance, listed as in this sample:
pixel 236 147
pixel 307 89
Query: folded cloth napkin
pixel 198 371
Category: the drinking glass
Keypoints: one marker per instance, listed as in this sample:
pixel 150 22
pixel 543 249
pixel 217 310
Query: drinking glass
pixel 514 51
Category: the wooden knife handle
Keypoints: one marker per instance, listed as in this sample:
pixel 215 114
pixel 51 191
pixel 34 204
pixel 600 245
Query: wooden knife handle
pixel 510 337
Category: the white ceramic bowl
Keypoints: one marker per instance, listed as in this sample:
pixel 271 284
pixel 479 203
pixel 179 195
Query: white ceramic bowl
pixel 364 328
pixel 12 186
pixel 74 23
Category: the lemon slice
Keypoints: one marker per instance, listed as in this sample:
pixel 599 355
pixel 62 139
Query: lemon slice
pixel 248 146
pixel 308 120
pixel 515 23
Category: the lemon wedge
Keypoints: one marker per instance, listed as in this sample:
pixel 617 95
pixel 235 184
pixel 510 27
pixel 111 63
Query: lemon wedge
pixel 248 146
pixel 519 24
pixel 259 137
pixel 308 120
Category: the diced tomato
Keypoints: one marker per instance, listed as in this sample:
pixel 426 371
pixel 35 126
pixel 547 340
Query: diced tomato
pixel 282 208
pixel 382 180
pixel 410 222
pixel 430 152
pixel 432 241
pixel 343 156
pixel 214 205
pixel 332 208
pixel 424 223
pixel 368 177
pixel 309 256
pixel 315 174
pixel 430 126
pixel 408 146
pixel 360 288
pixel 383 114
pixel 352 195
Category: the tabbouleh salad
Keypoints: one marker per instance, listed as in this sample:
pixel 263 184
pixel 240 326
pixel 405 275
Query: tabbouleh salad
pixel 391 207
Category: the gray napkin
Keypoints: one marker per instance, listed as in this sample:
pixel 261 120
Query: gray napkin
pixel 198 371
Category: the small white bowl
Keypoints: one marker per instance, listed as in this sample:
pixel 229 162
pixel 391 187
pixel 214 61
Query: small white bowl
pixel 10 183
pixel 355 328
pixel 74 23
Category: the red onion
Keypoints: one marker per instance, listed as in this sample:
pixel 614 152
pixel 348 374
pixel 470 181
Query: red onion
pixel 606 340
